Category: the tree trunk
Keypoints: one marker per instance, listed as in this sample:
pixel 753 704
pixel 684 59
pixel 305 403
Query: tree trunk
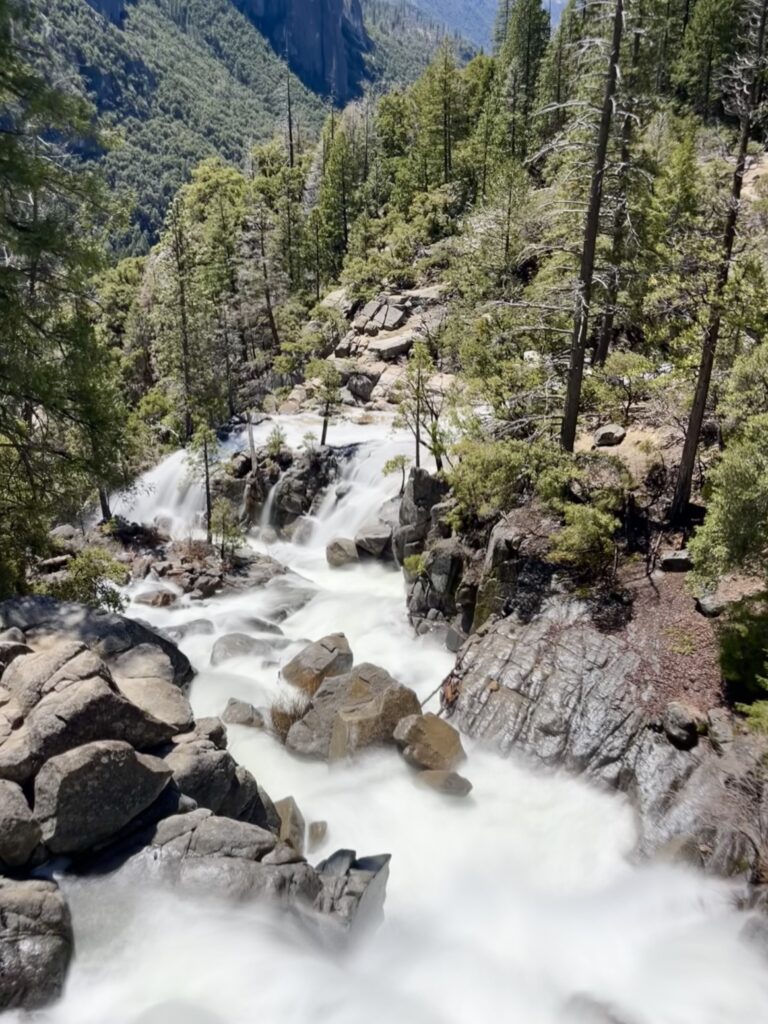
pixel 106 511
pixel 591 230
pixel 617 245
pixel 711 337
pixel 324 437
pixel 208 508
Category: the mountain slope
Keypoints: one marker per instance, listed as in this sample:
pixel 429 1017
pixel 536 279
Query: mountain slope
pixel 472 19
pixel 180 81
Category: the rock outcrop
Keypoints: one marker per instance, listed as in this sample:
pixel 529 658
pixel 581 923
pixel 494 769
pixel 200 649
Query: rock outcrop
pixel 349 712
pixel 102 763
pixel 325 42
pixel 557 688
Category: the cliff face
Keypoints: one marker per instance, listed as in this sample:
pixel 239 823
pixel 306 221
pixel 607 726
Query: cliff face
pixel 324 40
pixel 115 10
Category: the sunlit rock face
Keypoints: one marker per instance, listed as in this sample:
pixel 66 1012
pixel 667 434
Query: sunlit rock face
pixel 324 40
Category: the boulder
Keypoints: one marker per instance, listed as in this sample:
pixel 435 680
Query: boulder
pixel 449 783
pixel 247 802
pixel 720 728
pixel 330 656
pixel 160 597
pixel 391 346
pixel 202 771
pixel 105 633
pixel 682 725
pixel 159 700
pixel 76 712
pixel 292 825
pixel 361 386
pixel 316 834
pixel 676 561
pixel 85 796
pixel 211 729
pixel 239 712
pixel 609 436
pixel 240 645
pixel 353 889
pixel 195 627
pixel 36 943
pixel 352 711
pixel 426 741
pixel 341 552
pixel 20 834
pixel 374 538
pixel 10 650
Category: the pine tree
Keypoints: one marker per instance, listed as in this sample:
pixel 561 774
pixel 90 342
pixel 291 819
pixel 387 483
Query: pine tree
pixel 61 414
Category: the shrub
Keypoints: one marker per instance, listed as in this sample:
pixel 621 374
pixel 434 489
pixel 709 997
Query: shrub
pixel 743 640
pixel 276 441
pixel 226 529
pixel 92 577
pixel 586 541
pixel 492 476
pixel 285 711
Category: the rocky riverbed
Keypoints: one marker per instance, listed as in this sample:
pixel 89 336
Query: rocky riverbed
pixel 560 901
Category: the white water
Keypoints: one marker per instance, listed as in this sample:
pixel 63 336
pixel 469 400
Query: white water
pixel 506 906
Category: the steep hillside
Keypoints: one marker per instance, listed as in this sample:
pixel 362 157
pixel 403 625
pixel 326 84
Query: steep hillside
pixel 180 82
pixel 184 79
pixel 472 19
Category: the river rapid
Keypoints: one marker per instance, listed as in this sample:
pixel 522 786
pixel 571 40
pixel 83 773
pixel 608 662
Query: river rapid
pixel 519 904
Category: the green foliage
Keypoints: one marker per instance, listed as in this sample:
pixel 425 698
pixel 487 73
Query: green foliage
pixel 622 382
pixel 226 529
pixel 91 578
pixel 586 541
pixel 415 565
pixel 743 638
pixel 397 464
pixel 735 532
pixel 710 45
pixel 178 90
pixel 61 412
pixel 276 441
pixel 494 476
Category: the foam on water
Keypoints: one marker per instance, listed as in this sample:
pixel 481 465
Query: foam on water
pixel 519 904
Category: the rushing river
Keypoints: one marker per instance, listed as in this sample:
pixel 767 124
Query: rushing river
pixel 519 904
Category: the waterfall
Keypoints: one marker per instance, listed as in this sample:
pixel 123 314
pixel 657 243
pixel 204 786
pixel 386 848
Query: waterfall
pixel 520 904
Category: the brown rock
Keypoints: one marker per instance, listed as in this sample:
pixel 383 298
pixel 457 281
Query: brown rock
pixel 426 741
pixel 292 826
pixel 330 656
pixel 450 783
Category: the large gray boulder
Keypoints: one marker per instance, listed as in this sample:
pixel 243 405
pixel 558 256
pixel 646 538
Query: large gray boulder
pixel 374 539
pixel 330 656
pixel 202 772
pixel 86 796
pixel 146 676
pixel 105 633
pixel 65 698
pixel 20 834
pixel 349 712
pixel 36 943
pixel 569 695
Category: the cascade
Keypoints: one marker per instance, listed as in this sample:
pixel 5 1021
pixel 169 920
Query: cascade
pixel 520 903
